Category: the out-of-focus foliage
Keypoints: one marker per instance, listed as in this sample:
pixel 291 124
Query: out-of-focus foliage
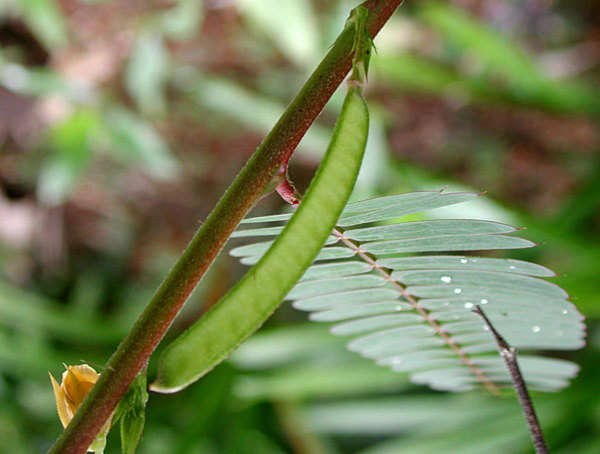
pixel 121 123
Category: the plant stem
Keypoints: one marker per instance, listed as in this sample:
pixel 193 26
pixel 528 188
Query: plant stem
pixel 134 351
pixel 509 354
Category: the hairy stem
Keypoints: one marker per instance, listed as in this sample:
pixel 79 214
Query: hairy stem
pixel 509 354
pixel 134 351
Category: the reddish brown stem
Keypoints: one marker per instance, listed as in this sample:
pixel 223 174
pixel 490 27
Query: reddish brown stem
pixel 133 353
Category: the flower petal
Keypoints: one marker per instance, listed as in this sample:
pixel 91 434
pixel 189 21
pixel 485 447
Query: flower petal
pixel 84 373
pixel 77 382
pixel 61 402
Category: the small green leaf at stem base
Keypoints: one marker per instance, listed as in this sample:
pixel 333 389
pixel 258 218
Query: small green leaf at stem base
pixel 131 412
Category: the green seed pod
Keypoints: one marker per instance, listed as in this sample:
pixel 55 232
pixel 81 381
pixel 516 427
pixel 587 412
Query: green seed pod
pixel 249 303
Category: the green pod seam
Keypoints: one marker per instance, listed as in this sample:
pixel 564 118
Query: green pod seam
pixel 254 298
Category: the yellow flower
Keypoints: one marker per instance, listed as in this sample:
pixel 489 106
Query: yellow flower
pixel 76 383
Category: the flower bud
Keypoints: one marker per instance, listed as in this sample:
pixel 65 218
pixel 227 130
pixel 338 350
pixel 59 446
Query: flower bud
pixel 76 383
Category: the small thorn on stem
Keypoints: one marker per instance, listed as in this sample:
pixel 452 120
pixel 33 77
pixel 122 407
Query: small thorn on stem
pixel 509 354
pixel 286 189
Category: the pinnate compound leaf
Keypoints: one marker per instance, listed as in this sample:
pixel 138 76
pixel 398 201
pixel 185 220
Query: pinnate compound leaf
pixel 413 312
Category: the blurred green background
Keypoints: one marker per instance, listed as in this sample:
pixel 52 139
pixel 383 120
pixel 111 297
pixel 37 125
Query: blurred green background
pixel 121 123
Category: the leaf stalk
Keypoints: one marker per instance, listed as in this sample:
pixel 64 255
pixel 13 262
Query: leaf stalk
pixel 509 355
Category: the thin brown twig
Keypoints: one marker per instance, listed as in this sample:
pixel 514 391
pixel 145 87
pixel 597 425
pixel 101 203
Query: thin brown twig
pixel 509 354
